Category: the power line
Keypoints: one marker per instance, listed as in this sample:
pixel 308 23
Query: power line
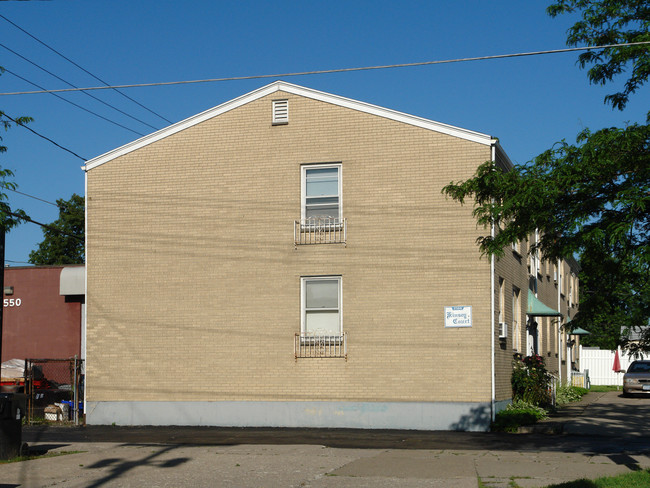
pixel 53 229
pixel 84 70
pixel 74 86
pixel 339 70
pixel 51 92
pixel 31 196
pixel 2 114
pixel 16 262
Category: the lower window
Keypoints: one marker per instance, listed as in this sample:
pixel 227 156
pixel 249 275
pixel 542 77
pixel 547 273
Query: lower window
pixel 321 306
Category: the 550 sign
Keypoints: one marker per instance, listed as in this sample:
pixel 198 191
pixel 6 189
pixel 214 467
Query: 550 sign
pixel 12 302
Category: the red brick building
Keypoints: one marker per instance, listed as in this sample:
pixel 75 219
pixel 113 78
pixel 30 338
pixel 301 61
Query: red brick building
pixel 43 312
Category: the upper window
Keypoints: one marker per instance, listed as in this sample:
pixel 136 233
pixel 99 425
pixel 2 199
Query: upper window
pixel 321 192
pixel 516 247
pixel 321 306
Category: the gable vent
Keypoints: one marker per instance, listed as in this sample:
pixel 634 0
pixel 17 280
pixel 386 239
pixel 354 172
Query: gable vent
pixel 280 111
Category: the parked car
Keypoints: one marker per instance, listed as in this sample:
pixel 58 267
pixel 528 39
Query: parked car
pixel 637 378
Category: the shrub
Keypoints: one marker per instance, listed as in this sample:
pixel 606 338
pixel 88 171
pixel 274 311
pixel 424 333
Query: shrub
pixel 530 381
pixel 516 414
pixel 567 394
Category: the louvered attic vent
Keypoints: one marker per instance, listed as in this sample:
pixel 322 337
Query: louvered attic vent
pixel 280 112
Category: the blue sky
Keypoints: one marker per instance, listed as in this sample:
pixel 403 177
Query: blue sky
pixel 528 103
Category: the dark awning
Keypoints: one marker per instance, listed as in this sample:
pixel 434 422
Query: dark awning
pixel 537 309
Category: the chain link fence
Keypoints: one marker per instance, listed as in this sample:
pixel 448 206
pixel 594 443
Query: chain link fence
pixel 55 390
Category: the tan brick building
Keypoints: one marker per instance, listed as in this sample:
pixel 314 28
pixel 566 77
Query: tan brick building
pixel 287 259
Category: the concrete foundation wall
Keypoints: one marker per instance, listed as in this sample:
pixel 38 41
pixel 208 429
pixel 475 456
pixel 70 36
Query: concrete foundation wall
pixel 465 416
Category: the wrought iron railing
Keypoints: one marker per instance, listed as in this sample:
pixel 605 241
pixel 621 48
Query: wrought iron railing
pixel 320 346
pixel 320 231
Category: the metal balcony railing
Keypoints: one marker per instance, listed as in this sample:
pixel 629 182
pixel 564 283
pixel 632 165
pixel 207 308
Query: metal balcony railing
pixel 320 346
pixel 320 231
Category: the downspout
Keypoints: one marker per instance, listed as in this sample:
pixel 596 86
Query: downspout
pixel 559 327
pixel 85 317
pixel 492 293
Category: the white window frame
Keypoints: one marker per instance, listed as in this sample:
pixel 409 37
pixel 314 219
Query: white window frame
pixel 303 186
pixel 303 300
pixel 516 317
pixel 503 327
pixel 516 246
pixel 537 257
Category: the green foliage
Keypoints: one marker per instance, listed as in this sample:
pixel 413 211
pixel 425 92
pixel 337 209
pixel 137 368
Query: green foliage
pixel 530 381
pixel 636 479
pixel 517 414
pixel 567 394
pixel 63 241
pixel 607 22
pixel 591 198
pixel 521 405
pixel 8 218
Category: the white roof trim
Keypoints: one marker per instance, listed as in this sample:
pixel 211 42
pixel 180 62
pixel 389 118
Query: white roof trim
pixel 296 90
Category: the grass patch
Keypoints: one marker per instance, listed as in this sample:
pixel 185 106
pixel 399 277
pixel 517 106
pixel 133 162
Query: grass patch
pixel 636 479
pixel 604 388
pixel 39 456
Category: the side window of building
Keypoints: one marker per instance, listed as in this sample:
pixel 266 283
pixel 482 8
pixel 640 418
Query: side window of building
pixel 503 328
pixel 516 247
pixel 516 313
pixel 321 193
pixel 321 306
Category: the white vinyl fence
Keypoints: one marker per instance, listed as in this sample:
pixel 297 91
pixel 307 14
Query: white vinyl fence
pixel 600 362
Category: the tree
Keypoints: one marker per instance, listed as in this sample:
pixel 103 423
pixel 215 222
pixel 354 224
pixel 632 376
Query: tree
pixel 606 22
pixel 63 241
pixel 8 219
pixel 591 198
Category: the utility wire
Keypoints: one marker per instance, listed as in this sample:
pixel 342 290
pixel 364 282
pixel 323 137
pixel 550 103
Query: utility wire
pixel 72 103
pixel 340 70
pixel 53 229
pixel 2 114
pixel 31 196
pixel 16 262
pixel 84 70
pixel 73 86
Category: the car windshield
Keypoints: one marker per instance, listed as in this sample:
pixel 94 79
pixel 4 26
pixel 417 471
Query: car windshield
pixel 639 368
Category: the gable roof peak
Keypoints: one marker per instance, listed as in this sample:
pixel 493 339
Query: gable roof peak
pixel 286 87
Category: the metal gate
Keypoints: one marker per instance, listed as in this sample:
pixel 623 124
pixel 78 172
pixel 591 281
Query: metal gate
pixel 54 389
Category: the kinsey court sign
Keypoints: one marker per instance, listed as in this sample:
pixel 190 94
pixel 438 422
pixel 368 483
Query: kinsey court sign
pixel 458 316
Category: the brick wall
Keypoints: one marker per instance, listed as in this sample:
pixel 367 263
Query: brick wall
pixel 194 281
pixel 38 322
